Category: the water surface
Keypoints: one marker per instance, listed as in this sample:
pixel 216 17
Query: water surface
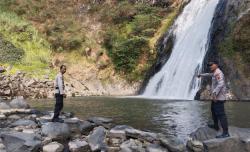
pixel 172 118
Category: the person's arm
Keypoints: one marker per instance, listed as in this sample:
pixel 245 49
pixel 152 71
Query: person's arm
pixel 220 79
pixel 205 75
pixel 60 85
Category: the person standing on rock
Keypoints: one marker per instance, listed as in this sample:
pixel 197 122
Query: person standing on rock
pixel 219 96
pixel 59 94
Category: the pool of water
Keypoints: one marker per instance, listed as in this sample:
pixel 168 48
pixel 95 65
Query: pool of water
pixel 172 118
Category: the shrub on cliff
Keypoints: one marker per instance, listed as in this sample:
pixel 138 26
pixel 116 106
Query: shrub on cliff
pixel 9 53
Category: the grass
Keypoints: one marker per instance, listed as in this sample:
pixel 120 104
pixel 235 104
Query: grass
pixel 37 52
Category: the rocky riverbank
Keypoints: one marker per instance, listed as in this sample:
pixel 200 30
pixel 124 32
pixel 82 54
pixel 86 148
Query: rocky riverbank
pixel 27 130
pixel 21 85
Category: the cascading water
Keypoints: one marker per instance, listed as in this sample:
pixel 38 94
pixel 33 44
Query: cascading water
pixel 177 78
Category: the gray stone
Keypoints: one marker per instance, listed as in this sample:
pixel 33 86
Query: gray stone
pixel 3 117
pixel 79 146
pixel 60 131
pixel 53 147
pixel 119 131
pixel 19 104
pixel 14 117
pixel 100 120
pixel 132 146
pixel 2 148
pixel 85 127
pixel 238 141
pixel 23 122
pixel 21 142
pixel 74 124
pixel 172 145
pixel 155 148
pixel 138 134
pixel 195 145
pixel 96 139
pixel 46 140
pixel 4 105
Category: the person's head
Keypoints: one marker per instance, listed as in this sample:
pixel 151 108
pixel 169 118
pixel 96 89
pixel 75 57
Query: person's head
pixel 63 69
pixel 213 65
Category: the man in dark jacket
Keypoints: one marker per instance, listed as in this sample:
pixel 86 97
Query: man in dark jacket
pixel 219 96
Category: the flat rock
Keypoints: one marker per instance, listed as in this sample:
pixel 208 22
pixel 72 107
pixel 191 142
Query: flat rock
pixel 21 142
pixel 14 117
pixel 96 139
pixel 54 130
pixel 101 121
pixel 138 134
pixel 4 105
pixel 119 131
pixel 19 104
pixel 53 147
pixel 23 122
pixel 79 146
pixel 239 140
pixel 155 148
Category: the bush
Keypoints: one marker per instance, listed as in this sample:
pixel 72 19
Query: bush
pixel 143 22
pixel 9 53
pixel 126 53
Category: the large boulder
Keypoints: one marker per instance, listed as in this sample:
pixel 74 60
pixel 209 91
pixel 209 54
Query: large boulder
pixel 96 139
pixel 21 142
pixel 53 147
pixel 19 103
pixel 57 131
pixel 239 140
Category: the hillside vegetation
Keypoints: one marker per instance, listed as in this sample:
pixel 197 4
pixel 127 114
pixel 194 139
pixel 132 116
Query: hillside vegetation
pixel 116 34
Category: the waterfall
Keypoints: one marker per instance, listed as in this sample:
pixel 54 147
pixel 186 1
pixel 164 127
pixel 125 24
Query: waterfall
pixel 177 78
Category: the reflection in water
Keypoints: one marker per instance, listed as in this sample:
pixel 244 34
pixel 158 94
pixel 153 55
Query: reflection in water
pixel 172 118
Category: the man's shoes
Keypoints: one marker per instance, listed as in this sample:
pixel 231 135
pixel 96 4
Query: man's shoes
pixel 57 120
pixel 223 135
pixel 213 127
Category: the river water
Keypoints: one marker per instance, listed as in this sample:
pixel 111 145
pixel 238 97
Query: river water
pixel 172 118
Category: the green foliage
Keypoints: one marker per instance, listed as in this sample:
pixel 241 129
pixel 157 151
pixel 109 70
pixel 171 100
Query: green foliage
pixel 31 50
pixel 227 47
pixel 132 26
pixel 9 53
pixel 143 22
pixel 126 52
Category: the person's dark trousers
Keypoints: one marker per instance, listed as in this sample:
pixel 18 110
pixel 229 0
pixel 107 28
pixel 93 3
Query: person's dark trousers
pixel 58 106
pixel 219 115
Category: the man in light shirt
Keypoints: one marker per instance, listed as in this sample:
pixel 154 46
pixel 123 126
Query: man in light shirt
pixel 219 96
pixel 59 94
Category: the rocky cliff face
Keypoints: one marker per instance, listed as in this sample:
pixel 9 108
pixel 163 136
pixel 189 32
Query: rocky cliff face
pixel 230 45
